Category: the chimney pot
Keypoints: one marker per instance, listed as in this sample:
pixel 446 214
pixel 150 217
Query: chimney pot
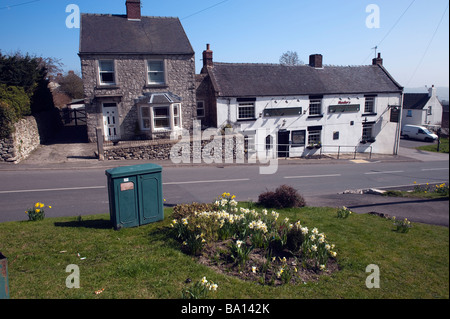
pixel 378 60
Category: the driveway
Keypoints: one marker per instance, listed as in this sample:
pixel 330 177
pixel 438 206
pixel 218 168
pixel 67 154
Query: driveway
pixel 68 145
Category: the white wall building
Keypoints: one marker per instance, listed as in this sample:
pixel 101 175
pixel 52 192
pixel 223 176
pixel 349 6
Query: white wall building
pixel 422 109
pixel 296 111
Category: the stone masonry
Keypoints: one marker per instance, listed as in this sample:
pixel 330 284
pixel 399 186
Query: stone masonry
pixel 131 83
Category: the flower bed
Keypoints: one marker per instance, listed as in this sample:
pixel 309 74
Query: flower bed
pixel 255 245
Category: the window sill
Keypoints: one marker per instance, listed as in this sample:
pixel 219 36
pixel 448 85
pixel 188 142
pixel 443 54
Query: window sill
pixel 245 120
pixel 107 86
pixel 369 114
pixel 315 116
pixel 156 85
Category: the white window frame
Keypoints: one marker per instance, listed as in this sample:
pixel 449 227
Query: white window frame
pixel 315 107
pixel 246 105
pixel 174 113
pixel 143 118
pixel 314 137
pixel 100 72
pixel 163 71
pixel 367 128
pixel 155 117
pixel 369 104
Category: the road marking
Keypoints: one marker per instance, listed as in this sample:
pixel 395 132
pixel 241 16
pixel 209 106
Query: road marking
pixel 210 181
pixel 359 161
pixel 434 169
pixel 314 176
pixel 51 189
pixel 386 172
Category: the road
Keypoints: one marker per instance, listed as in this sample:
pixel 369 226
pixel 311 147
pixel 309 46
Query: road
pixel 83 191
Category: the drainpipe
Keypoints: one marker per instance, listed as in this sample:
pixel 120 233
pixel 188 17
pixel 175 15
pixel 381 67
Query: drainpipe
pixel 399 124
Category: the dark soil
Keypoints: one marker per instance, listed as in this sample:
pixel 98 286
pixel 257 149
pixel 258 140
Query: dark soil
pixel 217 256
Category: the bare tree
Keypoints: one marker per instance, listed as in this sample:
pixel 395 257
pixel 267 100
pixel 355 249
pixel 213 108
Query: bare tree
pixel 290 58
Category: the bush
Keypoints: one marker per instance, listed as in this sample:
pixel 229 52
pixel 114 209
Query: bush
pixel 283 197
pixel 187 210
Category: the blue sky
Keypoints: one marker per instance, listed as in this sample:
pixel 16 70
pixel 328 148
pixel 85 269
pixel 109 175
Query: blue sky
pixel 413 35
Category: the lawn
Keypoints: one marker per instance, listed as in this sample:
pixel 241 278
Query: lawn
pixel 146 262
pixel 443 148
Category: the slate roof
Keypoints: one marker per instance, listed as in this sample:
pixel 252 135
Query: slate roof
pixel 240 80
pixel 115 34
pixel 415 101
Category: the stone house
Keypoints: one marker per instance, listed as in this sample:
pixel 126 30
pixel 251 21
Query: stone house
pixel 138 74
pixel 296 111
pixel 422 109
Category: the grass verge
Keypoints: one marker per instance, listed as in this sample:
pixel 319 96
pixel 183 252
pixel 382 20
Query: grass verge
pixel 145 262
pixel 443 148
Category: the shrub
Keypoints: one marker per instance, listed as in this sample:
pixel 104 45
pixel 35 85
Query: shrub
pixel 187 210
pixel 283 197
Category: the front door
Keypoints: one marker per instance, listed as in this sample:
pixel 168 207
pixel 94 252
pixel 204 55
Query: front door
pixel 283 143
pixel 110 122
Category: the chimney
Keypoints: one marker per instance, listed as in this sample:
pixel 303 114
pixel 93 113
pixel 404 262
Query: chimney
pixel 207 59
pixel 133 9
pixel 315 61
pixel 378 60
pixel 432 91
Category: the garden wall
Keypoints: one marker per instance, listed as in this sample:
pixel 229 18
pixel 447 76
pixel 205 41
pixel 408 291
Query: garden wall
pixel 28 133
pixel 219 150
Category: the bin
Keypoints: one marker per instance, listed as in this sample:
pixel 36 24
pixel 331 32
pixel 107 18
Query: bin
pixel 4 288
pixel 135 195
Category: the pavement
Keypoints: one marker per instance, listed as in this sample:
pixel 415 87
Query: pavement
pixel 60 155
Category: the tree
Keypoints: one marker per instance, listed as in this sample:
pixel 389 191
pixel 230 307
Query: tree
pixel 72 85
pixel 290 58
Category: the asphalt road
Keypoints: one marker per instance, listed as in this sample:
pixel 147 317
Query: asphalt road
pixel 83 191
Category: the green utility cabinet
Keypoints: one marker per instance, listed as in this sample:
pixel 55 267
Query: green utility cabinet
pixel 4 288
pixel 135 195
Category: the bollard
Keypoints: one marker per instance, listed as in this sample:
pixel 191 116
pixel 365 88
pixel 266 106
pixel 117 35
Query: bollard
pixel 4 289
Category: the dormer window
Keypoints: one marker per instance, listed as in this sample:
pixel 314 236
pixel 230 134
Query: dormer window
pixel 106 72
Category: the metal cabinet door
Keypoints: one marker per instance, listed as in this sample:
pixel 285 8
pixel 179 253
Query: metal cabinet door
pixel 150 198
pixel 126 202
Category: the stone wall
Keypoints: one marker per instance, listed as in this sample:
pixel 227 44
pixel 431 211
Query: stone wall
pixel 218 150
pixel 22 142
pixel 131 83
pixel 28 133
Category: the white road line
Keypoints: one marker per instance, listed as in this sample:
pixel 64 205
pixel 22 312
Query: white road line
pixel 434 169
pixel 386 172
pixel 314 176
pixel 51 189
pixel 210 181
pixel 100 187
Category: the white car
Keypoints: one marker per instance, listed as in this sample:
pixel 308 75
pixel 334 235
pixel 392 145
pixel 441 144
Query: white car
pixel 419 133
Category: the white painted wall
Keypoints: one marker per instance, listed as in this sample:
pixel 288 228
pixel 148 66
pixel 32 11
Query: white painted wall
pixel 421 117
pixel 349 135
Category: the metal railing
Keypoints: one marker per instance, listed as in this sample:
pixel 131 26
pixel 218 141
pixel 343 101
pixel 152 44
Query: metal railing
pixel 337 150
